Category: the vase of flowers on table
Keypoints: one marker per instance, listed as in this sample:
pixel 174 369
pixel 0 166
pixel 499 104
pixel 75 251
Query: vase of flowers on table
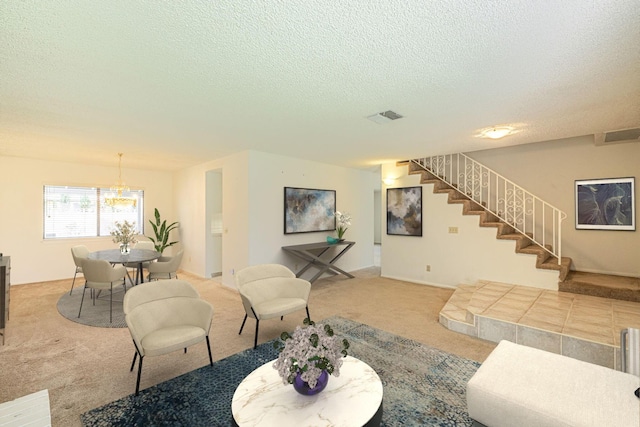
pixel 343 222
pixel 309 356
pixel 125 234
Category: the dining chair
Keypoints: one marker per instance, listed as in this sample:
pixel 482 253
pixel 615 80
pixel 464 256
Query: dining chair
pixel 79 254
pixel 271 290
pixel 165 267
pixel 100 275
pixel 145 245
pixel 165 316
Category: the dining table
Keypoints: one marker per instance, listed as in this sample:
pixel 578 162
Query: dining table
pixel 135 256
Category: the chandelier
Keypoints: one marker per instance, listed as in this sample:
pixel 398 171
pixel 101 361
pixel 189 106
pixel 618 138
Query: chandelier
pixel 116 197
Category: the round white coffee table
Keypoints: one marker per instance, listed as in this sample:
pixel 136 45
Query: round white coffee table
pixel 352 399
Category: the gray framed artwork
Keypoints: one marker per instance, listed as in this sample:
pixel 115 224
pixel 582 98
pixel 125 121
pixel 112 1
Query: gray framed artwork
pixel 307 210
pixel 404 211
pixel 606 204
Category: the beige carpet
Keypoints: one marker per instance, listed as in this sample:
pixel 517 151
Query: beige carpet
pixel 85 367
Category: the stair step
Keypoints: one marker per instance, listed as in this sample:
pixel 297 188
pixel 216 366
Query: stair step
pixel 532 250
pixel 526 310
pixel 602 285
pixel 551 263
pixel 491 224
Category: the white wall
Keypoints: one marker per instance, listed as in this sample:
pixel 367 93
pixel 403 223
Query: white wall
pixel 253 210
pixel 213 217
pixel 190 185
pixel 269 174
pixel 21 214
pixel 377 217
pixel 472 254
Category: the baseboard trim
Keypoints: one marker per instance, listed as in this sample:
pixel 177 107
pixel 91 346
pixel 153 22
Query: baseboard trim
pixel 406 279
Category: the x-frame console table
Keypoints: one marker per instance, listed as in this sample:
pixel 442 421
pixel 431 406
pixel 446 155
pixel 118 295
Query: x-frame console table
pixel 312 253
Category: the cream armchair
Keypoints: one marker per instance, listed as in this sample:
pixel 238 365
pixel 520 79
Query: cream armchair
pixel 99 274
pixel 270 290
pixel 165 316
pixel 165 267
pixel 79 254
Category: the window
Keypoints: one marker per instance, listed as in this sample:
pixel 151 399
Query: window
pixel 82 212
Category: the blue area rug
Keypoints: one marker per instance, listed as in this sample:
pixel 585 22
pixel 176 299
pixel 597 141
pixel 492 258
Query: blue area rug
pixel 423 386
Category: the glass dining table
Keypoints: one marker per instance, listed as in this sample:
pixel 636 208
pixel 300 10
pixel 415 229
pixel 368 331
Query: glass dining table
pixel 135 256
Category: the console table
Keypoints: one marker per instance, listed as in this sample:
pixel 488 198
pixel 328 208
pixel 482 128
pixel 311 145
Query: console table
pixel 352 399
pixel 312 253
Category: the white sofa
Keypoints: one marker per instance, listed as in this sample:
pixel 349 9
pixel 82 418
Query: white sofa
pixel 526 387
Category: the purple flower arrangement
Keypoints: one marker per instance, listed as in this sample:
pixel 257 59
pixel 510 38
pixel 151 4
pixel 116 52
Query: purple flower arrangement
pixel 309 351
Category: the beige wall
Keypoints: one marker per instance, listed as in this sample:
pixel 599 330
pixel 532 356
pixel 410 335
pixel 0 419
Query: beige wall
pixel 549 170
pixel 21 223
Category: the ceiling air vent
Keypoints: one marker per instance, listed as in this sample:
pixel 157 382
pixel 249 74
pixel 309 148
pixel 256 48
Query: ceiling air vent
pixel 618 136
pixel 384 117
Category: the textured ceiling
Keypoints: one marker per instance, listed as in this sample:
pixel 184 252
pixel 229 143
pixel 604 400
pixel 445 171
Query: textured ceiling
pixel 172 84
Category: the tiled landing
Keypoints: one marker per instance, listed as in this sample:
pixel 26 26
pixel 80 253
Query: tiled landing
pixel 579 326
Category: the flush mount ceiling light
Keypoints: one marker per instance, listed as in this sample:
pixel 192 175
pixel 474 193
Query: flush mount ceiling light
pixel 389 180
pixel 496 132
pixel 384 117
pixel 116 197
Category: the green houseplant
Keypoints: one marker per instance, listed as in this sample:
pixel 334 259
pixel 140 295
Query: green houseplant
pixel 161 231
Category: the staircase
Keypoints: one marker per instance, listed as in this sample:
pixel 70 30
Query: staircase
pixel 534 225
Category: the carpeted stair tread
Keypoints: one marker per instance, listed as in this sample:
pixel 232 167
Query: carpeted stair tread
pixel 602 285
pixel 510 236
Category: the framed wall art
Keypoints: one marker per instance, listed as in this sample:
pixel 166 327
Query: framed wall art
pixel 404 211
pixel 606 204
pixel 307 210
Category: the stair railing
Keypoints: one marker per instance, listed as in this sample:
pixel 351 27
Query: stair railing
pixel 524 212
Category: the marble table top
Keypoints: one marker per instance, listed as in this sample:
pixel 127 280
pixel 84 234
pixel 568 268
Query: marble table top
pixel 352 399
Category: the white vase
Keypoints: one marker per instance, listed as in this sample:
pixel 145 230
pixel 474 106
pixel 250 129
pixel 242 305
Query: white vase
pixel 124 248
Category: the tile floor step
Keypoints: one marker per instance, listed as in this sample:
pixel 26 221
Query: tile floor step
pixel 581 326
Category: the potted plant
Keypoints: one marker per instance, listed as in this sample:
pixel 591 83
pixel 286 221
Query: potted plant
pixel 344 221
pixel 161 231
pixel 309 356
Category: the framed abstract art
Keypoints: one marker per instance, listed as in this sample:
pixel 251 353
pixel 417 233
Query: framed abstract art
pixel 307 210
pixel 606 204
pixel 404 211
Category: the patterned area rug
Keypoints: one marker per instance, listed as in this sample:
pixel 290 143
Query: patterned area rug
pixel 93 315
pixel 423 386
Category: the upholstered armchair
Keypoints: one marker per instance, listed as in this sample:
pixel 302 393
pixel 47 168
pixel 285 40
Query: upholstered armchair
pixel 165 316
pixel 99 274
pixel 165 267
pixel 271 290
